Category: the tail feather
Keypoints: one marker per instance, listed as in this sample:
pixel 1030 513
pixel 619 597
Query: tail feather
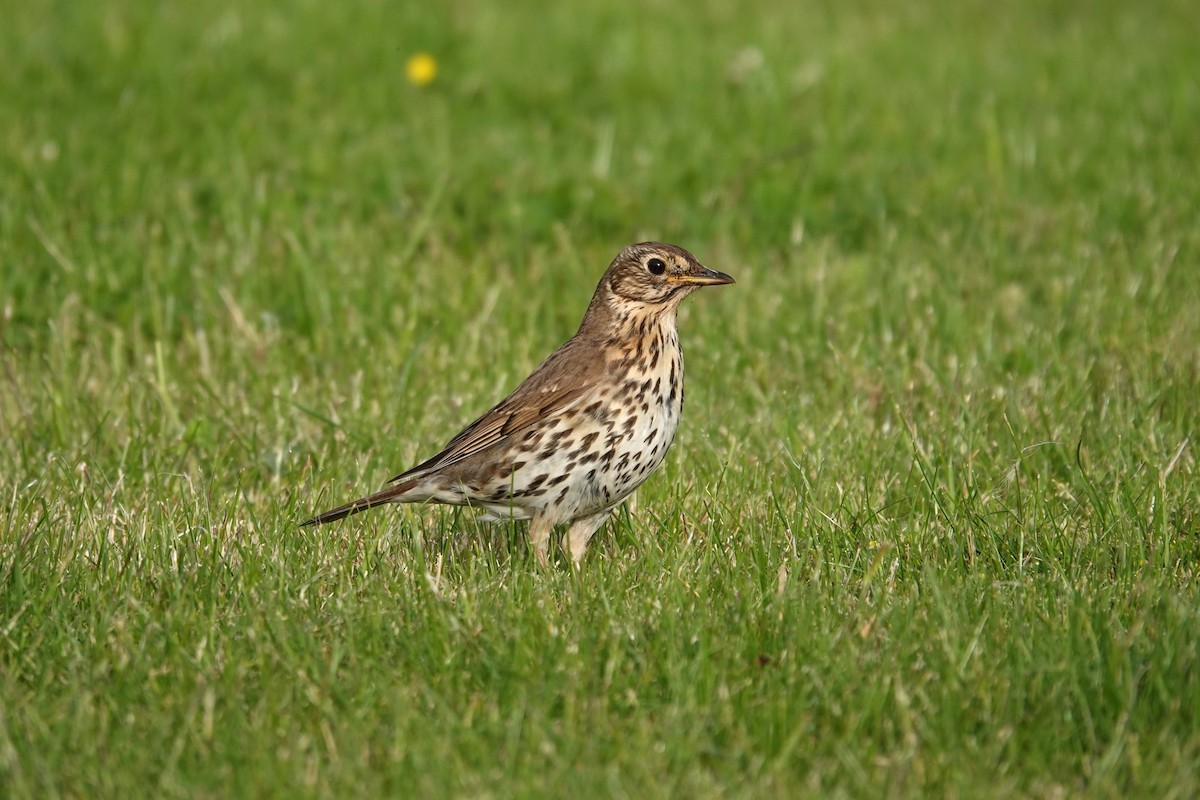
pixel 388 495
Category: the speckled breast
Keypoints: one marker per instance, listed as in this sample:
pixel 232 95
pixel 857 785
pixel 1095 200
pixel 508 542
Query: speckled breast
pixel 596 454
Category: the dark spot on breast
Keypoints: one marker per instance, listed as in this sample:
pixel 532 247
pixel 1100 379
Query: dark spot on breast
pixel 538 481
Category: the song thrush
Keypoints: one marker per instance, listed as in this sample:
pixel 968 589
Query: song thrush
pixel 587 427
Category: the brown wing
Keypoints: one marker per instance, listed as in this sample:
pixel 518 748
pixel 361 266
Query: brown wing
pixel 568 375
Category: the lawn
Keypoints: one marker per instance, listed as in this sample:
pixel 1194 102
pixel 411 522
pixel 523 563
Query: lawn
pixel 931 526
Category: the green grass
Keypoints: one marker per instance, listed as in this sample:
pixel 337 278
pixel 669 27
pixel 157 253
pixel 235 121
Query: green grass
pixel 932 523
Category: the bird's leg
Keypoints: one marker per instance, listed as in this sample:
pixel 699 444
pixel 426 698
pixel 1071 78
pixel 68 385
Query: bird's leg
pixel 580 533
pixel 540 529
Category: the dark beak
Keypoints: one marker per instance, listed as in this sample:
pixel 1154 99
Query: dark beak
pixel 703 277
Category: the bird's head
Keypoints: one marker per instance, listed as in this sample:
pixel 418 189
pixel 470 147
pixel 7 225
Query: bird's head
pixel 656 274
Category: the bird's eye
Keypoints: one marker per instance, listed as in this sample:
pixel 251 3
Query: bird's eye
pixel 656 266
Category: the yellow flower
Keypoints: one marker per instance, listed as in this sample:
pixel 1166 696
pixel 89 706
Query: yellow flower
pixel 421 69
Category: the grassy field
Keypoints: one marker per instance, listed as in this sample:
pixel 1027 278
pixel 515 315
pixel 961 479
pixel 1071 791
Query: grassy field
pixel 932 523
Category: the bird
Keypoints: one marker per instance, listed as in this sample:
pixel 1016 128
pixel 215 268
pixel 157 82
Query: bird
pixel 587 427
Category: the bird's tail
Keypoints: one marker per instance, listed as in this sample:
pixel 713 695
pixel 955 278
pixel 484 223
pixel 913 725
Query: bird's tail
pixel 389 495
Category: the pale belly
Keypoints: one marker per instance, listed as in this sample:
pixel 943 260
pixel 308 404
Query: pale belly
pixel 584 463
